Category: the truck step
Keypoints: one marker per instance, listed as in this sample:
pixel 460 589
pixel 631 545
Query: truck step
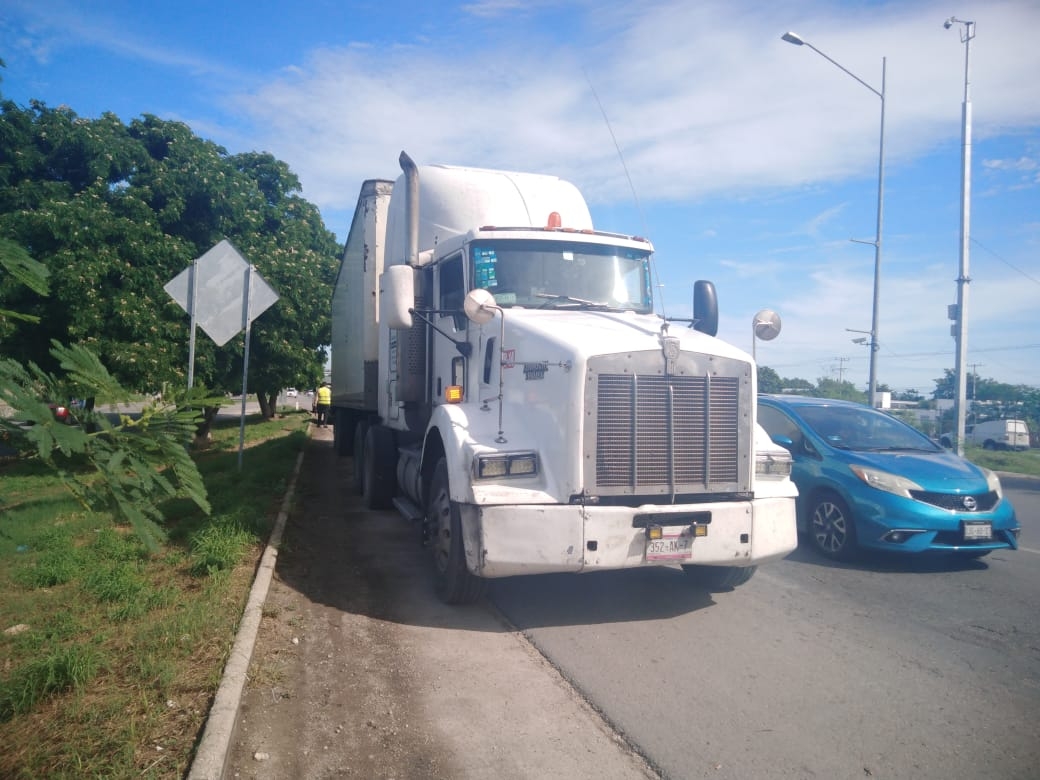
pixel 408 509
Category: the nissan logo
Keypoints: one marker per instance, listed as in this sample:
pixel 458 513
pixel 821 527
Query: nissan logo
pixel 970 503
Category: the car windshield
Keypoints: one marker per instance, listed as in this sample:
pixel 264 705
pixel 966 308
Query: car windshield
pixel 862 428
pixel 563 275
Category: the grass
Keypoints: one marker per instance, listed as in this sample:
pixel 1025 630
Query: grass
pixel 110 656
pixel 1023 462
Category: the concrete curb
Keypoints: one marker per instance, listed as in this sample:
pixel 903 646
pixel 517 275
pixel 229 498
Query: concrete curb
pixel 220 724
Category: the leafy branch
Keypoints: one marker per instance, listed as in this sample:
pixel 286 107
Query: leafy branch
pixel 127 467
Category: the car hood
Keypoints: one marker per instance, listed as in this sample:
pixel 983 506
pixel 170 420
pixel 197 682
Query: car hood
pixel 933 471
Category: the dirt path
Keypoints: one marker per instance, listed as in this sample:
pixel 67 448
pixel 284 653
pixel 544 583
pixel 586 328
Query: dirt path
pixel 360 672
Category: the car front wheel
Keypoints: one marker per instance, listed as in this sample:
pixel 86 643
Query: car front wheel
pixel 831 527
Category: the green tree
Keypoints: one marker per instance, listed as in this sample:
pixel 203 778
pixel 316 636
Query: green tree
pixel 115 211
pixel 845 390
pixel 139 463
pixel 799 386
pixel 909 395
pixel 769 381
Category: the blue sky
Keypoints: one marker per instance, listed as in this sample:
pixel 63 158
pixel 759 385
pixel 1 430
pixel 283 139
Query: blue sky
pixel 746 160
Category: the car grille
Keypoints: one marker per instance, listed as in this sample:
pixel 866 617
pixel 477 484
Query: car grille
pixel 954 502
pixel 678 434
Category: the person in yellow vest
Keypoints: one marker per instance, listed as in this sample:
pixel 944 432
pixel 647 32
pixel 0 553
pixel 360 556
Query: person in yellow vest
pixel 324 401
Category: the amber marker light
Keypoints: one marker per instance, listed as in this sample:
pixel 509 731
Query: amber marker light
pixel 453 394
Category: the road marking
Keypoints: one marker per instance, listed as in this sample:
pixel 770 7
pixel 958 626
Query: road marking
pixel 1029 549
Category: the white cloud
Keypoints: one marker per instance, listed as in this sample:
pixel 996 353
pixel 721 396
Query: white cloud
pixel 702 99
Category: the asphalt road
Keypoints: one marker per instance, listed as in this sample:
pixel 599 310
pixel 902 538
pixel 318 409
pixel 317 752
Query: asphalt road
pixel 883 668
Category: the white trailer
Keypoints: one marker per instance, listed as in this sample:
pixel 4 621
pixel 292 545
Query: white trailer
pixel 500 377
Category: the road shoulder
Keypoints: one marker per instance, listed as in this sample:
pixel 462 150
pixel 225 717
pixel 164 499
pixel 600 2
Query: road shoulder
pixel 358 671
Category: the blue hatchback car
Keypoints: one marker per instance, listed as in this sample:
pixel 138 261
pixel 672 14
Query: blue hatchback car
pixel 868 480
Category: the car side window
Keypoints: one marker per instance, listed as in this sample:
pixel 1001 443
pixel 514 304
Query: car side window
pixel 777 423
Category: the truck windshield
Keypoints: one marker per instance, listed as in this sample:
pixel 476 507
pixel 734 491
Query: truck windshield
pixel 562 274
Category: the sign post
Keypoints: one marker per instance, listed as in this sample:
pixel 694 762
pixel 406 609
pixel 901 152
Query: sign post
pixel 223 294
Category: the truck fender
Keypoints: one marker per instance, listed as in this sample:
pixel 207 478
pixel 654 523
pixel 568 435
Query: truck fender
pixel 446 438
pixel 448 427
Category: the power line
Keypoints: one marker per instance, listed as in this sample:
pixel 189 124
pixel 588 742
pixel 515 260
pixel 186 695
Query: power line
pixel 1005 262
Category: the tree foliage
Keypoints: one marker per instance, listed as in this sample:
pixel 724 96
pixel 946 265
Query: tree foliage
pixel 140 462
pixel 992 400
pixel 115 211
pixel 844 390
pixel 769 381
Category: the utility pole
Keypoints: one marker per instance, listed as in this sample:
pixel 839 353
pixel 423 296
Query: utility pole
pixel 963 279
pixel 875 344
pixel 841 368
pixel 974 386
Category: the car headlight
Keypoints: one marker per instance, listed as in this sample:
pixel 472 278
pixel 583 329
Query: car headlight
pixel 993 482
pixel 505 464
pixel 773 465
pixel 882 480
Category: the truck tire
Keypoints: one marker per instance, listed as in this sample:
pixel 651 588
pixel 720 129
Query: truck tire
pixel 716 578
pixel 453 582
pixel 360 430
pixel 378 467
pixel 342 432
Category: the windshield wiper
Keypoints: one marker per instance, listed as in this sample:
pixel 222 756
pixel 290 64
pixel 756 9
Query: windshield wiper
pixel 569 300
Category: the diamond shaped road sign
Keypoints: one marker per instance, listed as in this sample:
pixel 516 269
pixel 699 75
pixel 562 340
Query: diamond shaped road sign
pixel 221 287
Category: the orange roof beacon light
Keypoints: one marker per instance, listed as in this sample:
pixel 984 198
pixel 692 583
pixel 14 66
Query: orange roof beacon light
pixel 555 221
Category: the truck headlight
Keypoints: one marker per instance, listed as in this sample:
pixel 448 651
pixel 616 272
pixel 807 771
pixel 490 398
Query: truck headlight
pixel 508 464
pixel 773 465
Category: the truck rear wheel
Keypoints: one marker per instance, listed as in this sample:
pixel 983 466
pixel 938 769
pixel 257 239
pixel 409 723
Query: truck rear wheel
pixel 378 467
pixel 719 577
pixel 454 583
pixel 342 432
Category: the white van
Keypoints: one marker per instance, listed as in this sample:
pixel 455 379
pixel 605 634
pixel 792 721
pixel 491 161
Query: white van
pixel 998 434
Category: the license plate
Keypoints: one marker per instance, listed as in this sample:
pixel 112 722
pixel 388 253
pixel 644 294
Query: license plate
pixel 670 548
pixel 978 530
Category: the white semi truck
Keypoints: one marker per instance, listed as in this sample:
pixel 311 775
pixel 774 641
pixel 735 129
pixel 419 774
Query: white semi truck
pixel 500 377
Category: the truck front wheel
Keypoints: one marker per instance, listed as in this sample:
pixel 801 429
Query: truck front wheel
pixel 454 583
pixel 719 577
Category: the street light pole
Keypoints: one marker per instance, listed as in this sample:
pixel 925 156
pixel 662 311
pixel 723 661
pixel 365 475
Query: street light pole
pixel 963 279
pixel 875 345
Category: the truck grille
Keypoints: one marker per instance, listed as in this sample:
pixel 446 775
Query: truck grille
pixel 678 434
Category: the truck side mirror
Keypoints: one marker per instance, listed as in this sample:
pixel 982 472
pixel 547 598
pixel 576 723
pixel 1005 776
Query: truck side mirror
pixel 397 296
pixel 705 308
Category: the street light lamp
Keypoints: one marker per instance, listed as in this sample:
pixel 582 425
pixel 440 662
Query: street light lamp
pixel 794 38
